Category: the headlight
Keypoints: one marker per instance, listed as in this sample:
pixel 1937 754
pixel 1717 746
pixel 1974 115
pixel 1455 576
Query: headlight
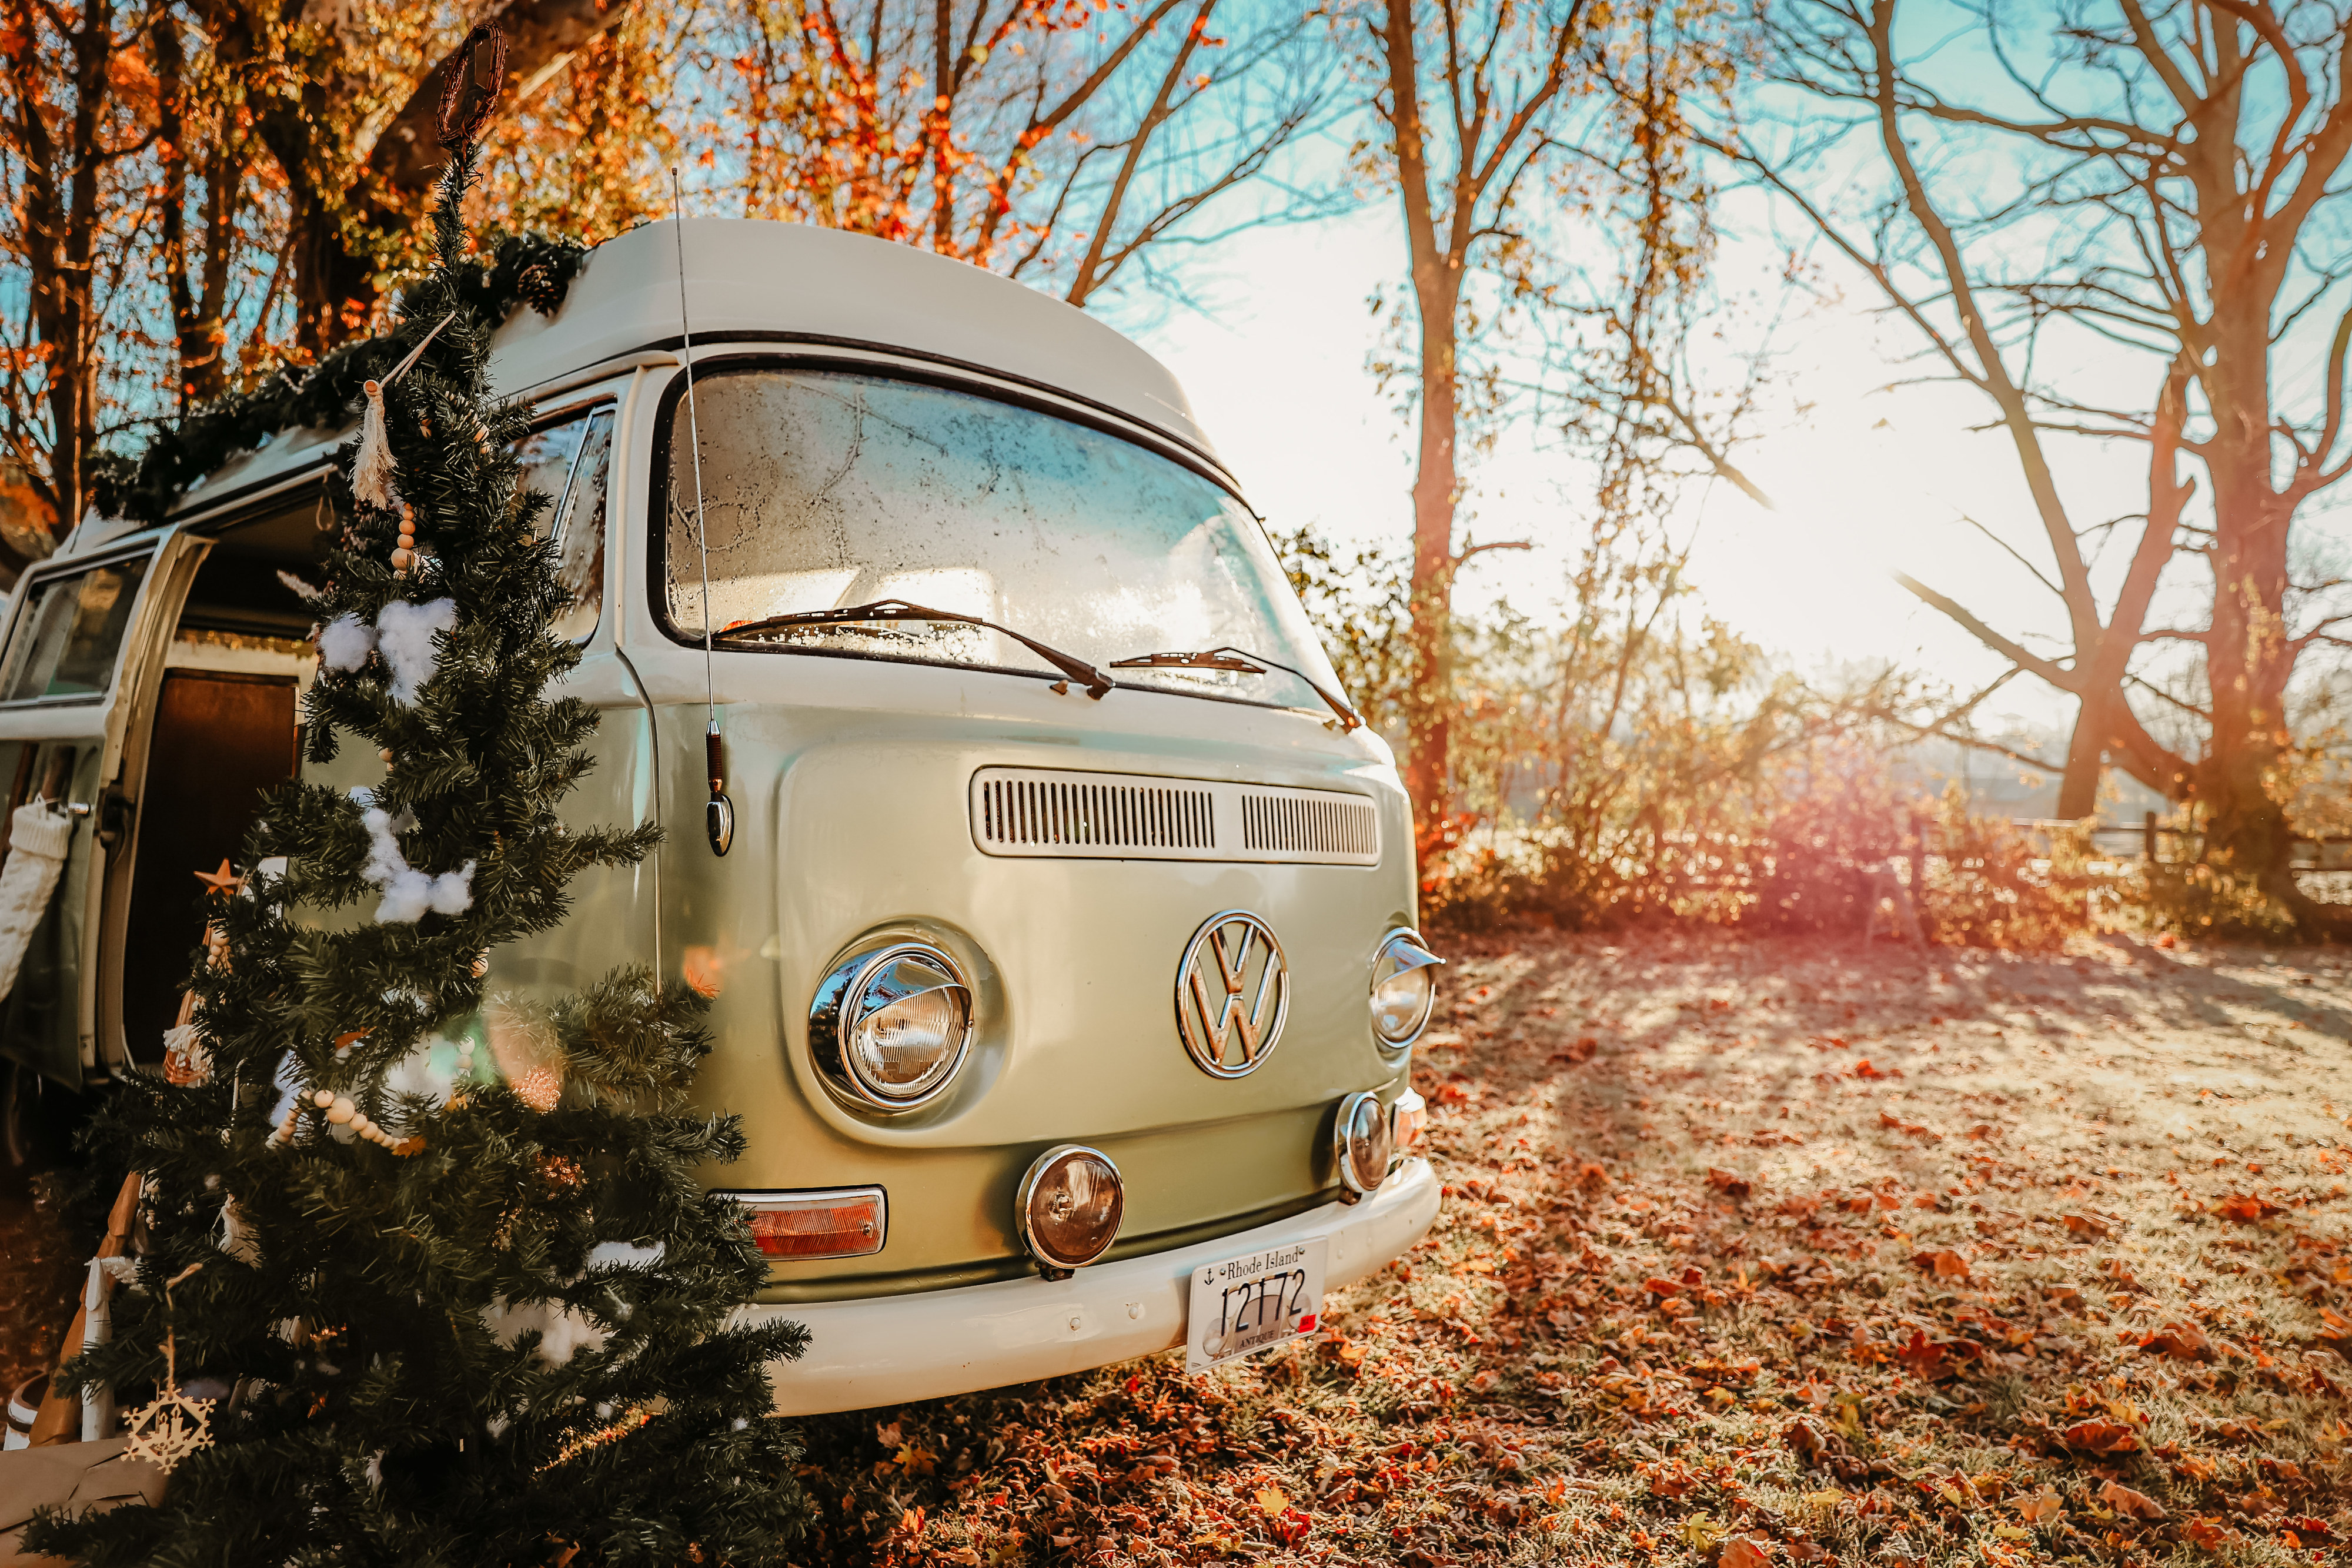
pixel 890 1027
pixel 1404 989
pixel 1069 1206
pixel 1360 1142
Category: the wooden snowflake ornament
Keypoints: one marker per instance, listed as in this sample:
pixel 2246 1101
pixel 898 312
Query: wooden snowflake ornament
pixel 170 1429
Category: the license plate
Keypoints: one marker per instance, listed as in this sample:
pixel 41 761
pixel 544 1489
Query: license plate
pixel 1253 1302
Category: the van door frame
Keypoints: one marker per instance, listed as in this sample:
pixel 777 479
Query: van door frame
pixel 193 534
pixel 102 722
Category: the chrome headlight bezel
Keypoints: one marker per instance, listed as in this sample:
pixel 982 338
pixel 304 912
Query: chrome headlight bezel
pixel 1408 1119
pixel 1026 1197
pixel 1401 952
pixel 845 1000
pixel 1361 1128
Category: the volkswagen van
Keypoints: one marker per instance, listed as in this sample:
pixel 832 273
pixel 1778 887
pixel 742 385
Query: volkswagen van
pixel 1058 916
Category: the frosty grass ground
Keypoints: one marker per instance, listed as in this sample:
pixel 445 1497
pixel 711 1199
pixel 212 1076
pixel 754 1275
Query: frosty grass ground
pixel 1760 1251
pixel 1754 1252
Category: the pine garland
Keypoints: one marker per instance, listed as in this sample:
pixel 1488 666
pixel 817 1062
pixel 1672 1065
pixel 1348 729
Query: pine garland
pixel 522 270
pixel 360 1262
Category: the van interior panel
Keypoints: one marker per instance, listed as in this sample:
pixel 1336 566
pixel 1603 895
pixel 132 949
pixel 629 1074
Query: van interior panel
pixel 222 739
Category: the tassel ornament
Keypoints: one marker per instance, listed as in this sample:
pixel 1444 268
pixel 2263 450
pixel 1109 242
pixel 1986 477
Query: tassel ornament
pixel 371 472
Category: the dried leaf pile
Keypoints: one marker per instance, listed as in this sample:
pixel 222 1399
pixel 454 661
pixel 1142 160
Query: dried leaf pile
pixel 1759 1252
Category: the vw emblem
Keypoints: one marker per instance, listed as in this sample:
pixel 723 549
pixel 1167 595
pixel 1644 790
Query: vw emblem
pixel 1233 992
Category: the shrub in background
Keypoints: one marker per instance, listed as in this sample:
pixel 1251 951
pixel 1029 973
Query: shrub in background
pixel 1987 884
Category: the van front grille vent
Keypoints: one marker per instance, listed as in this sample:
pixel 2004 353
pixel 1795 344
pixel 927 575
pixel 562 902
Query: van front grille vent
pixel 1304 821
pixel 1043 813
pixel 1053 813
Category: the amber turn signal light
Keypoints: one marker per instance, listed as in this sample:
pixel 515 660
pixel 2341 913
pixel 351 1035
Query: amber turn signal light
pixel 838 1222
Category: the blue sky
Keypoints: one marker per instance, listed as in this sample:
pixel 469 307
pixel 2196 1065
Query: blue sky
pixel 1870 477
pixel 1276 367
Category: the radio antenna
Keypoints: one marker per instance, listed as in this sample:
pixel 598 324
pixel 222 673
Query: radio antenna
pixel 719 815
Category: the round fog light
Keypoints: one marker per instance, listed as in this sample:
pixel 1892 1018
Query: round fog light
pixel 1070 1203
pixel 1404 989
pixel 890 1027
pixel 1359 1140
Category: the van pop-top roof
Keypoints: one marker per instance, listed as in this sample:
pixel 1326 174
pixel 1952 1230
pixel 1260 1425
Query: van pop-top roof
pixel 750 279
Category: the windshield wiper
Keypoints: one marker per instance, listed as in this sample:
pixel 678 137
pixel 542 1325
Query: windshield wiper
pixel 1242 662
pixel 889 610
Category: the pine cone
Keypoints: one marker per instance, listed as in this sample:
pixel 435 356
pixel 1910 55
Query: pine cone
pixel 538 289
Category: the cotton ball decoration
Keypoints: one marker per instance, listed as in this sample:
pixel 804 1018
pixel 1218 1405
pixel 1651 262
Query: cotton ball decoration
pixel 409 893
pixel 345 642
pixel 561 1331
pixel 426 1072
pixel 403 635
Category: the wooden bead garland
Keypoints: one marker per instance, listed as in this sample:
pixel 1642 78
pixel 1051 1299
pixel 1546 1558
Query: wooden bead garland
pixel 404 555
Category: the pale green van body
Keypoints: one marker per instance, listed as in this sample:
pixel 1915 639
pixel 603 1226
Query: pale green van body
pixel 853 784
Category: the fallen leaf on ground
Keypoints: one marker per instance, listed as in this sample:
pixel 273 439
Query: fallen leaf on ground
pixel 1943 1265
pixel 1669 1480
pixel 1271 1501
pixel 2043 1504
pixel 2206 1533
pixel 1742 1551
pixel 1927 1360
pixel 2186 1340
pixel 1577 1051
pixel 1803 1442
pixel 2084 1226
pixel 2245 1209
pixel 2096 1436
pixel 1726 1183
pixel 2123 1500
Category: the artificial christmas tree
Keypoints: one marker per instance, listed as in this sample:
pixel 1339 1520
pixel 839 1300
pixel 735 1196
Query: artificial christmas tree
pixel 445 1314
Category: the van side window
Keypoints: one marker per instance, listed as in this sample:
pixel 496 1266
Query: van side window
pixel 68 637
pixel 569 462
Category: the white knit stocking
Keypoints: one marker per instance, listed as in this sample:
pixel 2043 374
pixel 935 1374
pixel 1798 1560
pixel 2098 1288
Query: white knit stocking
pixel 38 838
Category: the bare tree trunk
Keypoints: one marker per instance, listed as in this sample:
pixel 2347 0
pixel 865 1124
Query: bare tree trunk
pixel 198 290
pixel 1436 483
pixel 1492 144
pixel 62 161
pixel 1436 288
pixel 2106 723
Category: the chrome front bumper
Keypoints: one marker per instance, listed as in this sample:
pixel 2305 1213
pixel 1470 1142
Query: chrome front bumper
pixel 889 1350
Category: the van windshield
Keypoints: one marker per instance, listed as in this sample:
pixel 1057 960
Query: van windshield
pixel 827 488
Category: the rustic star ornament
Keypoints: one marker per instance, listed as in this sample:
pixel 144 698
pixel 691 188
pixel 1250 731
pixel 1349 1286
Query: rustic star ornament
pixel 222 881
